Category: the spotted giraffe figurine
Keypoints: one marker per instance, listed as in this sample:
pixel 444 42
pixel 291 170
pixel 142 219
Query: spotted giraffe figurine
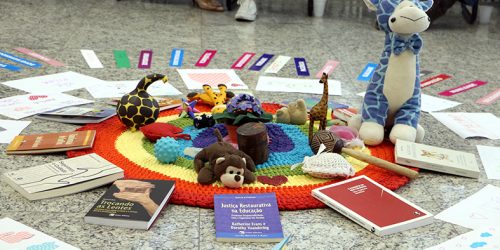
pixel 138 108
pixel 318 111
pixel 392 100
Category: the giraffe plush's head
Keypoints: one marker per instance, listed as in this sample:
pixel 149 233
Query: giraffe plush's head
pixel 404 17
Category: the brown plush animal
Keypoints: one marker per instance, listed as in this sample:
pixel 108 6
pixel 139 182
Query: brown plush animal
pixel 221 161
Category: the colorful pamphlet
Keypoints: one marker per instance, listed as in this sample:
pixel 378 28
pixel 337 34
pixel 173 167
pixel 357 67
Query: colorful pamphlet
pixel 176 57
pixel 131 203
pixel 45 59
pixel 261 62
pixel 121 59
pixel 19 60
pixel 242 61
pixel 247 218
pixel 91 59
pixel 462 88
pixel 433 80
pixel 367 72
pixel 51 142
pixel 15 235
pixel 205 58
pixel 63 177
pixel 301 66
pixel 330 65
pixel 145 59
pixel 372 206
pixel 436 159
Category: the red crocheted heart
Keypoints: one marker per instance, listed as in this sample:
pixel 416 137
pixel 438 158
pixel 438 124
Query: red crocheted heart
pixel 275 180
pixel 157 130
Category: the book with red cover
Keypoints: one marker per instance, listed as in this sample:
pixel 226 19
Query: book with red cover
pixel 372 206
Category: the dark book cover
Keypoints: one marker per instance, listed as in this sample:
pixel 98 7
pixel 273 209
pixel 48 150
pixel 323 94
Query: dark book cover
pixel 131 200
pixel 247 218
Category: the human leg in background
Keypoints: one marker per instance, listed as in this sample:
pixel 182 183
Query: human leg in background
pixel 212 5
pixel 247 11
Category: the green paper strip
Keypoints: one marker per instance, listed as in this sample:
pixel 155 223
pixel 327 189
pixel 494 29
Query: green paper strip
pixel 121 59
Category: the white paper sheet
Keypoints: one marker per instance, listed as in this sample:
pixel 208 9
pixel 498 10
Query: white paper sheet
pixel 277 64
pixel 91 59
pixel 471 124
pixel 54 83
pixel 431 103
pixel 20 106
pixel 490 157
pixel 16 235
pixel 310 86
pixel 12 129
pixel 195 78
pixel 479 210
pixel 116 89
pixel 485 238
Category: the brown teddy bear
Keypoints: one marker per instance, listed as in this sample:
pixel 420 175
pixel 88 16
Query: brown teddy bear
pixel 225 163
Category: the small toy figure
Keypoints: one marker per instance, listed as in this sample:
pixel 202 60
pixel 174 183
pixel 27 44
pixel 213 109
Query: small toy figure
pixel 225 163
pixel 392 100
pixel 241 109
pixel 157 130
pixel 295 113
pixel 203 121
pixel 210 97
pixel 188 109
pixel 318 111
pixel 138 108
pixel 167 149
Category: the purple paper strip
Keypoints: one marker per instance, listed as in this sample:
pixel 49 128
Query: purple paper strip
pixel 301 66
pixel 145 59
pixel 261 62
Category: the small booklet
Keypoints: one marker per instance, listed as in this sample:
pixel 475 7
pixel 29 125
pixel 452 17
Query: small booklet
pixel 78 115
pixel 131 203
pixel 50 143
pixel 247 218
pixel 15 235
pixel 164 103
pixel 372 206
pixel 436 159
pixel 63 177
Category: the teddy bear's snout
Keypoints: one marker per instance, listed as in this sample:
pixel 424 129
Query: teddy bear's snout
pixel 237 178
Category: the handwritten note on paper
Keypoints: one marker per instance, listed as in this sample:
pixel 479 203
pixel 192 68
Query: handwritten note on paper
pixel 471 124
pixel 484 238
pixel 490 157
pixel 20 106
pixel 54 83
pixel 310 86
pixel 477 211
pixel 11 129
pixel 432 104
pixel 116 89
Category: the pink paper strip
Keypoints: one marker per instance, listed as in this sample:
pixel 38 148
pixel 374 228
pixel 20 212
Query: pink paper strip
pixel 433 80
pixel 33 54
pixel 462 88
pixel 489 98
pixel 205 58
pixel 330 65
pixel 145 59
pixel 243 60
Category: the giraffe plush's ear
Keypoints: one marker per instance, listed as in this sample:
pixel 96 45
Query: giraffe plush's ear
pixel 372 4
pixel 426 5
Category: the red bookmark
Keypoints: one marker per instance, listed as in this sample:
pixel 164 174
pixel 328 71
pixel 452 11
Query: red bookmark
pixel 462 88
pixel 242 61
pixel 433 80
pixel 205 58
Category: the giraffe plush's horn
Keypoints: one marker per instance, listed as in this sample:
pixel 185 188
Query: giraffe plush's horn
pixel 372 4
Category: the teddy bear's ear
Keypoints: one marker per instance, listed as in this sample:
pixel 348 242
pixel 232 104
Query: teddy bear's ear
pixel 219 160
pixel 372 4
pixel 244 160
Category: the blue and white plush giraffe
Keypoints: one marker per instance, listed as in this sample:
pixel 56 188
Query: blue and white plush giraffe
pixel 392 99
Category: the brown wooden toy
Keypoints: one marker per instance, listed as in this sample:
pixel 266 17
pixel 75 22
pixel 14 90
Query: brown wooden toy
pixel 318 111
pixel 335 145
pixel 253 140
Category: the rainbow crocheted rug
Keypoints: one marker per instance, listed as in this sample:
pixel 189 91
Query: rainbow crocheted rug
pixel 288 144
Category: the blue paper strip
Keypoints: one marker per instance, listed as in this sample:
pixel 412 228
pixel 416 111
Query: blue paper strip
pixel 367 72
pixel 261 62
pixel 19 60
pixel 176 57
pixel 10 67
pixel 301 66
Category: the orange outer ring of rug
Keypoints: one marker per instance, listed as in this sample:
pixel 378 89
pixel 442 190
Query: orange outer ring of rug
pixel 195 194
